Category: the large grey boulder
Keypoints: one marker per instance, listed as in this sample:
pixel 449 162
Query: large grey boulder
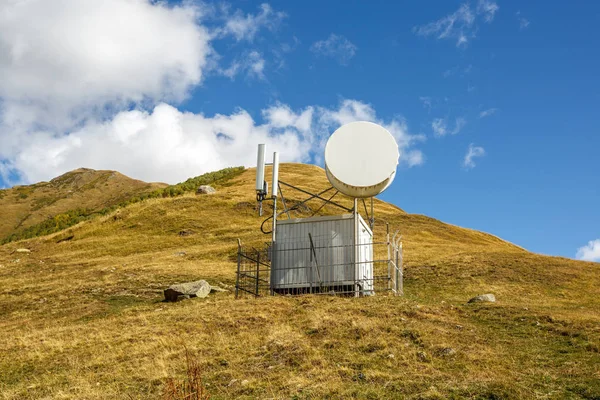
pixel 199 288
pixel 206 189
pixel 482 298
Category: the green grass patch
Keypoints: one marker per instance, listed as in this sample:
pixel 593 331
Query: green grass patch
pixel 72 217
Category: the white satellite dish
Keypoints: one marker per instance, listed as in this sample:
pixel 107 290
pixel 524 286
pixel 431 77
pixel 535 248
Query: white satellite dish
pixel 361 159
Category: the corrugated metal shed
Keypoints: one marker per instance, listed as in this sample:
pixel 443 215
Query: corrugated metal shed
pixel 330 260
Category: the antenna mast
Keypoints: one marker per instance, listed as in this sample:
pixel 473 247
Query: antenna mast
pixel 360 162
pixel 275 184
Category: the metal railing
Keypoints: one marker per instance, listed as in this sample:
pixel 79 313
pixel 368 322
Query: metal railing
pixel 317 265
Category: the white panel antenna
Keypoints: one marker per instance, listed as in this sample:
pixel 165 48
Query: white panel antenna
pixel 260 169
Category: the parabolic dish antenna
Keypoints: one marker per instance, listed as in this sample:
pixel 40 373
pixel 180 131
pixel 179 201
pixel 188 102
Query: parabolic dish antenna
pixel 361 159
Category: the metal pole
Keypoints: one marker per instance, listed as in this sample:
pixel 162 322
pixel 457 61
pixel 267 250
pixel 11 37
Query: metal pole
pixel 310 271
pixel 372 219
pixel 271 274
pixel 274 189
pixel 274 224
pixel 356 250
pixel 387 238
pixel 396 272
pixel 274 192
pixel 239 261
pixel 257 269
pixel 285 209
pixel 367 213
pixel 401 272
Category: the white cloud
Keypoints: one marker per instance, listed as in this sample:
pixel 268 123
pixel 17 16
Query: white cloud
pixel 457 70
pixel 282 116
pixel 488 9
pixel 408 155
pixel 590 252
pixel 461 24
pixel 245 27
pixel 165 145
pixel 440 126
pixel 472 152
pixel 61 59
pixel 350 111
pixel 459 123
pixel 252 64
pixel 169 145
pixel 335 46
pixel 426 100
pixel 523 22
pixel 83 87
pixel 280 52
pixel 488 112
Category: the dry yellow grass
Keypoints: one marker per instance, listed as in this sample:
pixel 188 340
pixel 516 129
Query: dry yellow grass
pixel 83 319
pixel 24 206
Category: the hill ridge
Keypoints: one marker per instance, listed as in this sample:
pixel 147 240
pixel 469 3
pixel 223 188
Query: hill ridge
pixel 114 194
pixel 82 316
pixel 26 205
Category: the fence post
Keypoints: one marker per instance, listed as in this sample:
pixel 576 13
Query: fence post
pixel 257 270
pixel 310 271
pixel 239 261
pixel 401 271
pixel 396 288
pixel 389 256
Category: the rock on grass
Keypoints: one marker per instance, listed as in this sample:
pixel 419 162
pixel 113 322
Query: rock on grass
pixel 483 298
pixel 187 290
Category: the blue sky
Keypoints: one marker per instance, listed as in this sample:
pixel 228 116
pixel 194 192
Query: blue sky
pixel 515 82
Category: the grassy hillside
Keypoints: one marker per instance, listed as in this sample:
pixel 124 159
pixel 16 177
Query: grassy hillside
pixel 104 203
pixel 83 318
pixel 85 189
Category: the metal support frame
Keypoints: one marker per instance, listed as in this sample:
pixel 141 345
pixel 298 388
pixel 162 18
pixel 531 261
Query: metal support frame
pixel 388 278
pixel 285 209
pixel 274 222
pixel 370 217
pixel 313 254
pixel 325 203
pixel 318 196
